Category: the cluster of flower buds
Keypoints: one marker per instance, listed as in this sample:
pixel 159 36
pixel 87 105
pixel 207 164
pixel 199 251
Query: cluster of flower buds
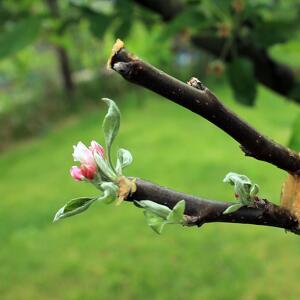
pixel 97 168
pixel 86 156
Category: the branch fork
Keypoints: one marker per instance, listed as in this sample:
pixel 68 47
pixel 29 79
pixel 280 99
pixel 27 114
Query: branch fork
pixel 196 97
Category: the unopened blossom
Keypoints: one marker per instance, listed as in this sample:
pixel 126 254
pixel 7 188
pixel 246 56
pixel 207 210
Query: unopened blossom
pixel 96 148
pixel 76 173
pixel 88 171
pixel 83 154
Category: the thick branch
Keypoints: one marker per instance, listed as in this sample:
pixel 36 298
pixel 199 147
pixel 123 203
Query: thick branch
pixel 200 211
pixel 278 77
pixel 204 103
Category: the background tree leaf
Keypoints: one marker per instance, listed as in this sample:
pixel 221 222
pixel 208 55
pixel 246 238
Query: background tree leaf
pixel 124 13
pixel 99 22
pixel 294 142
pixel 241 77
pixel 23 33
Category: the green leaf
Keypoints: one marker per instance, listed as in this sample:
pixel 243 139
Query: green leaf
pixel 176 215
pixel 110 192
pixel 158 215
pixel 294 142
pixel 242 185
pixel 254 190
pixel 99 23
pixel 111 125
pixel 158 209
pixel 242 80
pixel 74 207
pixel 232 208
pixel 124 16
pixel 156 222
pixel 97 6
pixel 124 160
pixel 107 174
pixel 22 34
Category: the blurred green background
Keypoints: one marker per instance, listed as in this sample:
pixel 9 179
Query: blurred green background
pixel 52 74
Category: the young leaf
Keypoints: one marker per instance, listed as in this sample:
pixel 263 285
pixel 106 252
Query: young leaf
pixel 124 160
pixel 111 125
pixel 232 208
pixel 74 207
pixel 176 215
pixel 106 172
pixel 156 222
pixel 158 209
pixel 254 190
pixel 242 185
pixel 110 192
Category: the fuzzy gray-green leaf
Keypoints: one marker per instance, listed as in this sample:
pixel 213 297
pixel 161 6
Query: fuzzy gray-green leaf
pixel 124 160
pixel 176 215
pixel 74 207
pixel 254 190
pixel 111 125
pixel 106 172
pixel 242 185
pixel 110 192
pixel 232 208
pixel 156 222
pixel 158 209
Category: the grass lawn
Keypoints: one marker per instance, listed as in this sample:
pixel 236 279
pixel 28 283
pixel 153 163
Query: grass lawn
pixel 108 252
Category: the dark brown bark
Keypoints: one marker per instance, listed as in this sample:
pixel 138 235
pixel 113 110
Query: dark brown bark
pixel 204 103
pixel 276 76
pixel 61 52
pixel 199 211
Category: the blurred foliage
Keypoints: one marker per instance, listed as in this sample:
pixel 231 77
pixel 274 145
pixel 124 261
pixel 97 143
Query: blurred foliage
pixel 75 261
pixel 86 29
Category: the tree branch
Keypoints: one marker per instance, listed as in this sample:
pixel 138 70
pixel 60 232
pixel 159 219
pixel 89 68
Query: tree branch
pixel 203 102
pixel 199 211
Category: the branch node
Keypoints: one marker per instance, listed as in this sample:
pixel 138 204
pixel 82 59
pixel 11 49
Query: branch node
pixel 123 68
pixel 196 83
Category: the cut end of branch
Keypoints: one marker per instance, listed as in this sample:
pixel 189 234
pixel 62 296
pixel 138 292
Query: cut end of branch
pixel 290 194
pixel 126 187
pixel 118 45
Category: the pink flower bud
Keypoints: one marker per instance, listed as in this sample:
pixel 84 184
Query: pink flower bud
pixel 88 171
pixel 83 154
pixel 76 173
pixel 96 148
pixel 88 166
